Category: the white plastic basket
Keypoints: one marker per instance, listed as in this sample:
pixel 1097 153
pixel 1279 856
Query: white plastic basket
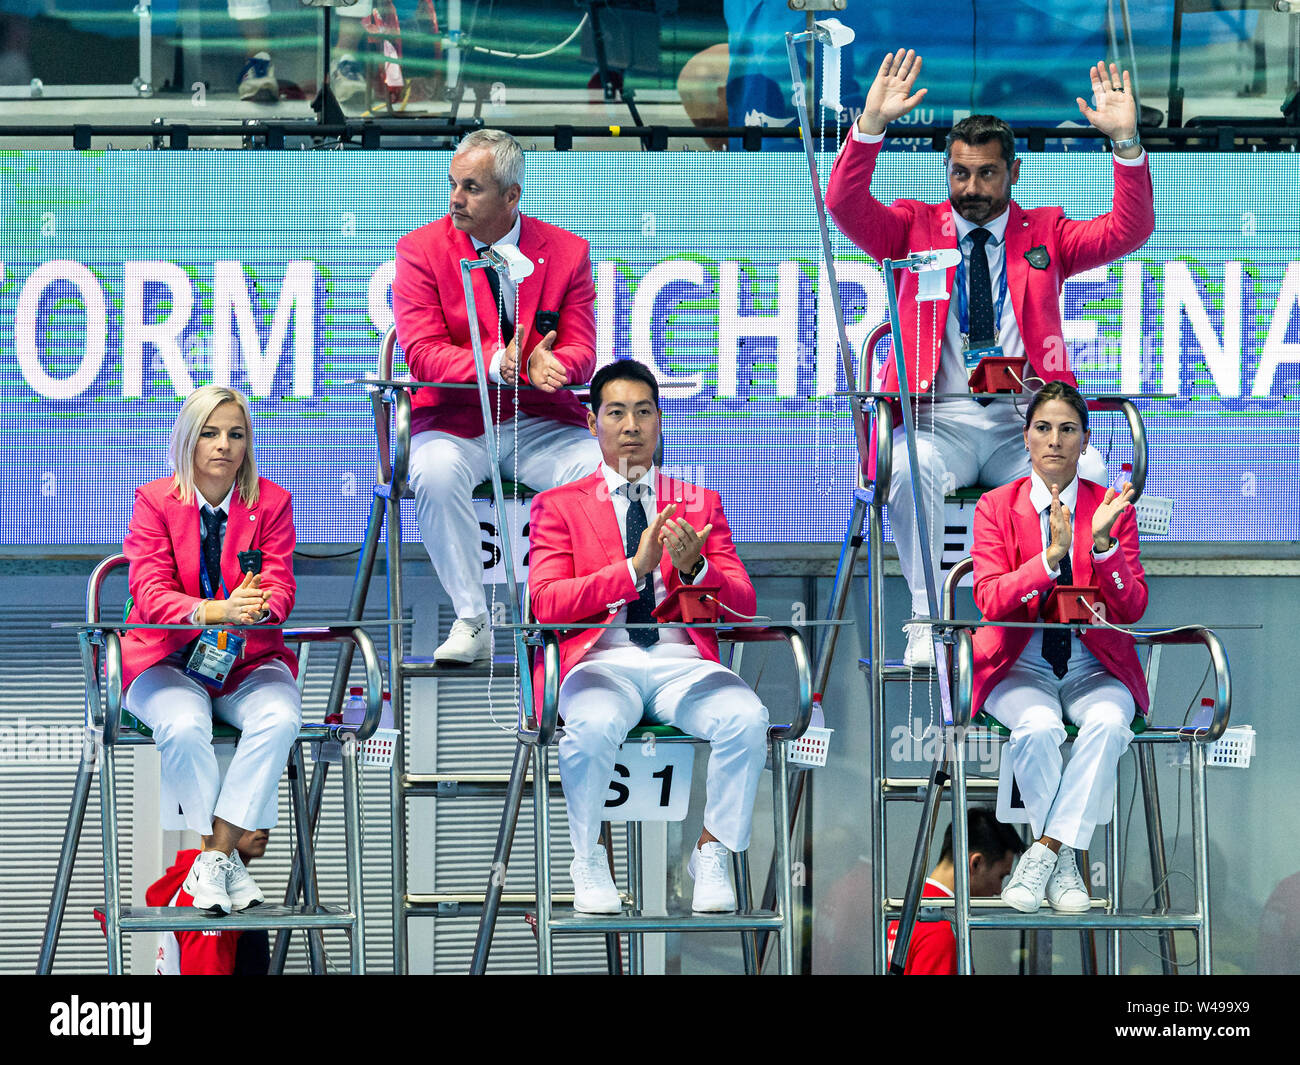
pixel 378 750
pixel 1234 749
pixel 811 748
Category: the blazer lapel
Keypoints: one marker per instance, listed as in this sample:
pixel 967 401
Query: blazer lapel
pixel 1016 265
pixel 241 527
pixel 485 307
pixel 532 244
pixel 183 524
pixel 600 514
pixel 943 234
pixel 1029 524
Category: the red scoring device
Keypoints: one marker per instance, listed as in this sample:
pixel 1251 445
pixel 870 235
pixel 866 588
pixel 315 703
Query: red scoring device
pixel 688 603
pixel 1063 606
pixel 998 373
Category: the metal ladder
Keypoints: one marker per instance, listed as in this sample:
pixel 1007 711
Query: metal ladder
pixel 949 771
pixel 536 736
pixel 104 733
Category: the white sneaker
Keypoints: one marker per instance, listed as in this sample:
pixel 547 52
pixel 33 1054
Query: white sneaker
pixel 593 887
pixel 257 83
pixel 920 647
pixel 1028 885
pixel 1066 890
pixel 709 868
pixel 240 885
pixel 206 882
pixel 469 641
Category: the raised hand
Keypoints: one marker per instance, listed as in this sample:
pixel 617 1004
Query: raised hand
pixel 545 371
pixel 509 367
pixel 650 549
pixel 1112 505
pixel 685 545
pixel 891 96
pixel 1060 524
pixel 1115 113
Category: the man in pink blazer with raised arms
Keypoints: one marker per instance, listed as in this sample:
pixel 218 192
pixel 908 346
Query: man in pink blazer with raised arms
pixel 540 333
pixel 1007 298
pixel 609 548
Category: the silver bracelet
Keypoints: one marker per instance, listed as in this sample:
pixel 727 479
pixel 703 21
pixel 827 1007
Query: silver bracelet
pixel 1133 142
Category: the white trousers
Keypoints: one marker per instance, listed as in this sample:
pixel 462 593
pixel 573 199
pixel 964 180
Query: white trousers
pixel 1031 701
pixel 267 711
pixel 445 470
pixel 959 443
pixel 604 697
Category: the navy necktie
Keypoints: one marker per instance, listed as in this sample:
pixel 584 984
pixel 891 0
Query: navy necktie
pixel 494 282
pixel 639 609
pixel 982 326
pixel 1056 642
pixel 212 521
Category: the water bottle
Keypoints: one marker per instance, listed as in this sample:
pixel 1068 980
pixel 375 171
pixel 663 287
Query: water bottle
pixel 354 709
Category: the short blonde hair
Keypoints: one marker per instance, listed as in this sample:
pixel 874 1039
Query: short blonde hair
pixel 185 441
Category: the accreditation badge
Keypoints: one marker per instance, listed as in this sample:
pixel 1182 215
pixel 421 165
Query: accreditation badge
pixel 214 655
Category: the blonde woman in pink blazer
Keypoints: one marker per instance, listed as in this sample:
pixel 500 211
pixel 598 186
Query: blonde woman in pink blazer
pixel 183 528
pixel 1048 528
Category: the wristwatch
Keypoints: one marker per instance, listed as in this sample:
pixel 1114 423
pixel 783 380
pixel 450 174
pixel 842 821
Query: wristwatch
pixel 1133 142
pixel 694 571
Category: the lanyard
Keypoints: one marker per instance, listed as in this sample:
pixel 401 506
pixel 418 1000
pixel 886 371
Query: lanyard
pixel 963 298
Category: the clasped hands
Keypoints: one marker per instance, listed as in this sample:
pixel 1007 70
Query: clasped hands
pixel 244 606
pixel 1060 520
pixel 545 371
pixel 685 546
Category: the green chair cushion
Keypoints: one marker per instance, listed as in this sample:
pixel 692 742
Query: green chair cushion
pixel 986 720
pixel 220 730
pixel 662 732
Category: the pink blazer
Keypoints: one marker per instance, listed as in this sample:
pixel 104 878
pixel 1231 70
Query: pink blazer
pixel 433 324
pixel 906 226
pixel 163 545
pixel 1011 583
pixel 577 566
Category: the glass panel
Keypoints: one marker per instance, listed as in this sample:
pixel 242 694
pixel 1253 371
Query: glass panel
pixel 629 62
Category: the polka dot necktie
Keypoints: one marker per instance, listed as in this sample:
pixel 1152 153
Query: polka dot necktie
pixel 212 522
pixel 1056 642
pixel 982 325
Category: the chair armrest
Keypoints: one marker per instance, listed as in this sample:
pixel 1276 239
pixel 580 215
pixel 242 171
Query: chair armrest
pixel 803 673
pixel 541 731
pixel 1190 634
pixel 883 415
pixel 370 659
pixel 1138 431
